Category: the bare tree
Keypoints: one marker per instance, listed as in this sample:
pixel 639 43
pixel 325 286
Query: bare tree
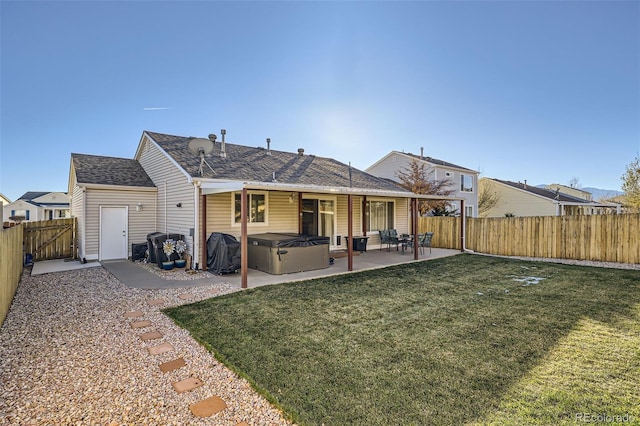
pixel 574 182
pixel 416 177
pixel 488 197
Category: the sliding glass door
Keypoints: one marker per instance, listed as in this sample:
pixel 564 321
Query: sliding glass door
pixel 319 217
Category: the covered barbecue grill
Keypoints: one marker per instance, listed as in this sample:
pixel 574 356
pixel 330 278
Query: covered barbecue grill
pixel 284 253
pixel 223 253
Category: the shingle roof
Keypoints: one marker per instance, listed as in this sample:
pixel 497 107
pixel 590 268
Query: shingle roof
pixel 553 195
pixel 438 162
pixel 254 164
pixel 96 169
pixel 30 195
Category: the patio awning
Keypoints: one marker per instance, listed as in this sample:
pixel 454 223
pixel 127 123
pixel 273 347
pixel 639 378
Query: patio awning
pixel 216 187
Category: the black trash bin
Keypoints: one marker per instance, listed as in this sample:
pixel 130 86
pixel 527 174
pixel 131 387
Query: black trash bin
pixel 359 243
pixel 223 253
pixel 150 246
pixel 157 241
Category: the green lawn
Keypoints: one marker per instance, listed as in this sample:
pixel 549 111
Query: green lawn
pixel 449 341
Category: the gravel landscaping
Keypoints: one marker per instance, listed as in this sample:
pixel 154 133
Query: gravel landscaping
pixel 69 356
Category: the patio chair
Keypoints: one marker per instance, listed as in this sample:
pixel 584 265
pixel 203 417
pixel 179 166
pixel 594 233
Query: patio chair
pixel 393 239
pixel 386 238
pixel 425 241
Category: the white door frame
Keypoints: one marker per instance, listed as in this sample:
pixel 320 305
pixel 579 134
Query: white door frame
pixel 327 197
pixel 124 252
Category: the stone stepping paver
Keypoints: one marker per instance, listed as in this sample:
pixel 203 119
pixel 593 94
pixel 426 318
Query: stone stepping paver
pixel 133 314
pixel 160 349
pixel 140 324
pixel 156 302
pixel 185 296
pixel 243 424
pixel 208 407
pixel 187 384
pixel 172 365
pixel 150 335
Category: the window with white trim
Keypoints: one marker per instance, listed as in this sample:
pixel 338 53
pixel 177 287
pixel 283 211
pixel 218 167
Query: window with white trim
pixel 380 215
pixel 466 183
pixel 257 207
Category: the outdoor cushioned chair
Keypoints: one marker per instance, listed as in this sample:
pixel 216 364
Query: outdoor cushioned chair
pixel 425 241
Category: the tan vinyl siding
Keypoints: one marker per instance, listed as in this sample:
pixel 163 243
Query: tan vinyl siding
pixel 173 188
pixel 520 203
pixel 140 223
pixel 77 210
pixel 281 215
pixel 387 169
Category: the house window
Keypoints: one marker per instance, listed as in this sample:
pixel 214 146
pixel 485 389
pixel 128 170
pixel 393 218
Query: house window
pixel 20 213
pixel 380 215
pixel 466 183
pixel 257 206
pixel 468 211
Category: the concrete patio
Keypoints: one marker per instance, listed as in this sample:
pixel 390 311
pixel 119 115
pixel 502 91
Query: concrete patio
pixel 136 277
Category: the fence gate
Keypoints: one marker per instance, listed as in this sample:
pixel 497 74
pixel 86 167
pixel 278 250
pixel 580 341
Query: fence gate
pixel 51 239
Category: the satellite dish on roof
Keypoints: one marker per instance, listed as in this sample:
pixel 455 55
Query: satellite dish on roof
pixel 201 147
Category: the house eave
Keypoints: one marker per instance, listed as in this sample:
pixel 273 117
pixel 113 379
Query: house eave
pixel 211 186
pixel 117 187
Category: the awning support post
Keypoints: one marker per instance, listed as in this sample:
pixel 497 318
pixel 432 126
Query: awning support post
pixel 244 261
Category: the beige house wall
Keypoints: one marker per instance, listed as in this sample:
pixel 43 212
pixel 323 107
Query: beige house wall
pixel 174 189
pixel 76 209
pixel 140 223
pixel 519 203
pixel 574 192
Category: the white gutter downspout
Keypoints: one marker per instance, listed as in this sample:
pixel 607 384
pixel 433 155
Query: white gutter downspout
pixel 84 223
pixel 196 230
pixel 166 231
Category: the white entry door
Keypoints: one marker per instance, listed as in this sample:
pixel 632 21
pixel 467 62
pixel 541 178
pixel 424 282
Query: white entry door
pixel 113 233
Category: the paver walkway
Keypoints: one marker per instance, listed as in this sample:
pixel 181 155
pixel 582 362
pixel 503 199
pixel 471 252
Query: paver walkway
pixel 204 408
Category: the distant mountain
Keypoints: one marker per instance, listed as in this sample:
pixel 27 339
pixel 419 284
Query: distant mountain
pixel 602 193
pixel 596 192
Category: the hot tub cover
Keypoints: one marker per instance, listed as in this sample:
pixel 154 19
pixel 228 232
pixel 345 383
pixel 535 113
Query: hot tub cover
pixel 283 240
pixel 223 253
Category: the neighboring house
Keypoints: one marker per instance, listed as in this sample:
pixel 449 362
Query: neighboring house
pixel 570 190
pixel 196 195
pixel 463 180
pixel 3 201
pixel 34 206
pixel 521 199
pixel 115 203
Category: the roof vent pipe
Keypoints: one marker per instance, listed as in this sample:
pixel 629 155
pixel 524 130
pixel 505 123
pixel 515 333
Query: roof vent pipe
pixel 223 152
pixel 268 146
pixel 422 153
pixel 301 151
pixel 525 184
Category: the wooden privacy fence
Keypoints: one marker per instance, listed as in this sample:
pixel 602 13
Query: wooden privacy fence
pixel 51 239
pixel 607 238
pixel 10 266
pixel 446 230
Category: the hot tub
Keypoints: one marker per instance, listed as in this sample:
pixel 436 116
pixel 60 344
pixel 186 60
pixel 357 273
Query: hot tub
pixel 284 253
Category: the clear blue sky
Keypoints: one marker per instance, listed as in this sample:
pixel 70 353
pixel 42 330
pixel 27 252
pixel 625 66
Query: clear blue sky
pixel 544 91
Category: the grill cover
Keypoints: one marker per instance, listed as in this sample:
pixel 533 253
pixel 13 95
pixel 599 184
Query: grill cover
pixel 223 253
